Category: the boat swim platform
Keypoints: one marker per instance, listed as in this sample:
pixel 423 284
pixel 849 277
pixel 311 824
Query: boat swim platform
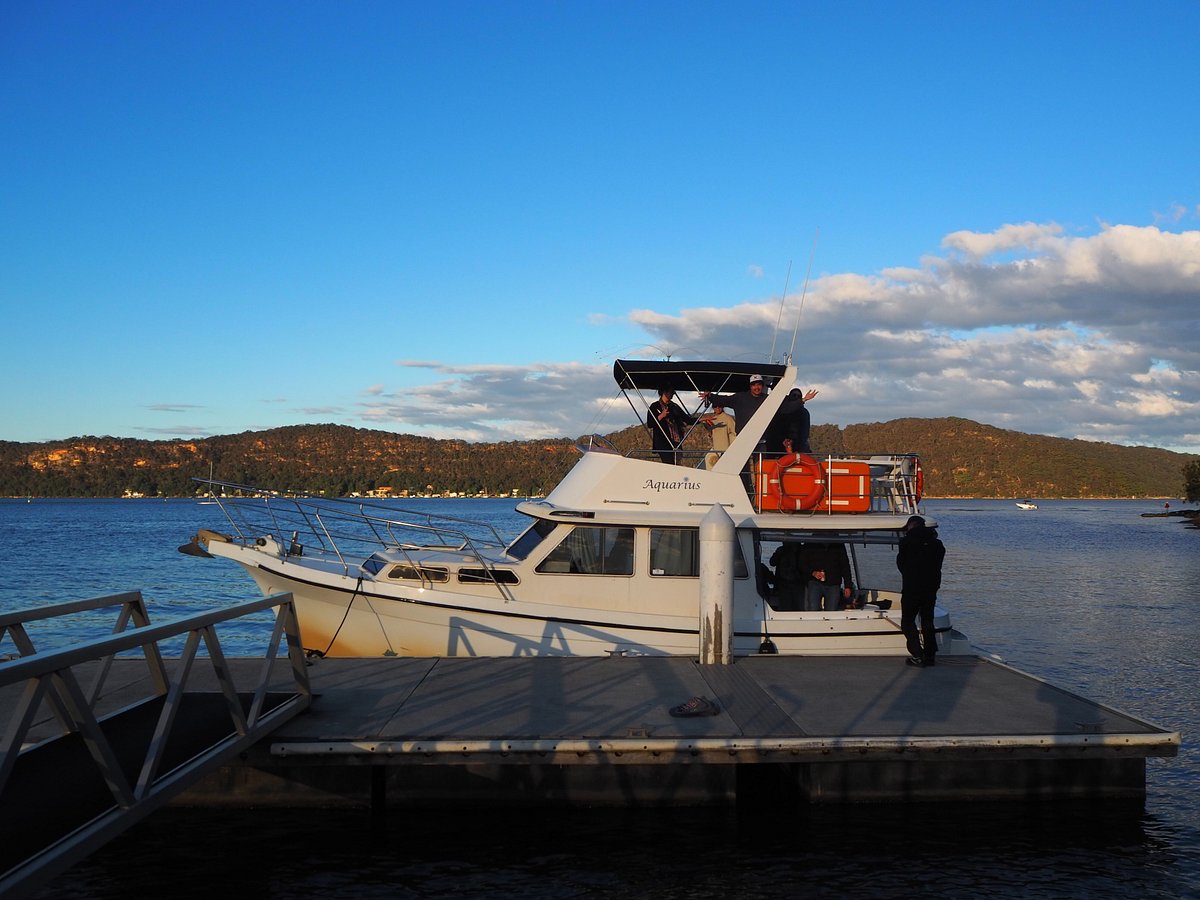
pixel 598 731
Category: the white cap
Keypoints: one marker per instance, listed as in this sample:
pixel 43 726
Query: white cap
pixel 755 378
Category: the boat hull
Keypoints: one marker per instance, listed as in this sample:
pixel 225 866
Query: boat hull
pixel 347 616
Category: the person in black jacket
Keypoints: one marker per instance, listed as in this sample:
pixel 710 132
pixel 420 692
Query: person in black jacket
pixel 920 564
pixel 788 431
pixel 668 425
pixel 743 404
pixel 829 578
pixel 789 579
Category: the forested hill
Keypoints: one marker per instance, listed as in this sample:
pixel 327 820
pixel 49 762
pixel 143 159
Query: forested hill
pixel 960 458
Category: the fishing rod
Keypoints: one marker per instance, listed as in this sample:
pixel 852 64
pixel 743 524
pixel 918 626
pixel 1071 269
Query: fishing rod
pixel 803 292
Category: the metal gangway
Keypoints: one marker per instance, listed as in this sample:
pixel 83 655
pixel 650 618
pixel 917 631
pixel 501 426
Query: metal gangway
pixel 78 765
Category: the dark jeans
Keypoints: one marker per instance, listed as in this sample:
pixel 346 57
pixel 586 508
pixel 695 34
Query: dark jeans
pixel 816 594
pixel 922 645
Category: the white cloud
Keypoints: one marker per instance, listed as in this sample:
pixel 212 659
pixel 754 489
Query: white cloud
pixel 498 402
pixel 1027 327
pixel 1009 237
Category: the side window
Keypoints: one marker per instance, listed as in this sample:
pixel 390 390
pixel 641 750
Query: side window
pixel 590 550
pixel 486 576
pixel 676 552
pixel 419 573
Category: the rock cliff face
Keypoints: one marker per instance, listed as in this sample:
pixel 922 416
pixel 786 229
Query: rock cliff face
pixel 960 458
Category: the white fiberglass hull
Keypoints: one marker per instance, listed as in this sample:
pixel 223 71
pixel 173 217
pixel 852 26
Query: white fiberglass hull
pixel 342 615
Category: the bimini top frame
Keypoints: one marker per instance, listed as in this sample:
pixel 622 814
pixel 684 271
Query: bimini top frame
pixel 711 377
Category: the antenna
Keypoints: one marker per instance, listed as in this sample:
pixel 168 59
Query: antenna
pixel 771 358
pixel 803 292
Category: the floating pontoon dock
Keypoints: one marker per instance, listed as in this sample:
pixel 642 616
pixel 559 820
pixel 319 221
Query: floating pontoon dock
pixel 598 731
pixel 524 731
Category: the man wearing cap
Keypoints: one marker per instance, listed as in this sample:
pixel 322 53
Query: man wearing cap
pixel 743 404
pixel 920 564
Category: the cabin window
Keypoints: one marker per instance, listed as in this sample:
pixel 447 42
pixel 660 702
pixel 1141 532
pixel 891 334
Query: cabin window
pixel 588 550
pixel 676 552
pixel 530 538
pixel 374 564
pixel 486 576
pixel 419 573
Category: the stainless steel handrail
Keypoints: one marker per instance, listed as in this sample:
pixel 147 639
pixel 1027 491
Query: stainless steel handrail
pixel 320 517
pixel 349 507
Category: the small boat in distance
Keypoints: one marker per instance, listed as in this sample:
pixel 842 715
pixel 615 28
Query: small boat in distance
pixel 1026 504
pixel 608 563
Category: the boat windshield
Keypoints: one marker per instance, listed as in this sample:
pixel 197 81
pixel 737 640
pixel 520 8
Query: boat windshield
pixel 530 538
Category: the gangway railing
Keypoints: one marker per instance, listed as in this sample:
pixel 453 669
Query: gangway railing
pixel 131 612
pixel 67 791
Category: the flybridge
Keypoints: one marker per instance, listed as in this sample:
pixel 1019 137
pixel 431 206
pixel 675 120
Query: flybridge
pixel 775 481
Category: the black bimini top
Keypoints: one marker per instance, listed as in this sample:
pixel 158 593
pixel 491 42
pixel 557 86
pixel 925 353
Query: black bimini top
pixel 714 377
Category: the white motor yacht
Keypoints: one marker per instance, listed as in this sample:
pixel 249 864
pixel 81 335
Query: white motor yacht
pixel 609 560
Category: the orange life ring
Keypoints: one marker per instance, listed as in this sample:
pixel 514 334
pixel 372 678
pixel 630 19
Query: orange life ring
pixel 810 476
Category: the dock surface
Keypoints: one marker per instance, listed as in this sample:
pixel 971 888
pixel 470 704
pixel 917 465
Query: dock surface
pixel 413 704
pixel 588 730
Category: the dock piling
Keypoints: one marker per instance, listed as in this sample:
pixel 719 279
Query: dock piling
pixel 717 534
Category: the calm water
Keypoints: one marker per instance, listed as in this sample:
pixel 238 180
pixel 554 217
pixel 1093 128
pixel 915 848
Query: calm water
pixel 1086 594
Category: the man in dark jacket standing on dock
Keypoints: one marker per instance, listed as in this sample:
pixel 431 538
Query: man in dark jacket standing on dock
pixel 920 564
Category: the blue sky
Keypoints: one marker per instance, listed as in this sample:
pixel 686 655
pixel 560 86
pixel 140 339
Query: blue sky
pixel 448 219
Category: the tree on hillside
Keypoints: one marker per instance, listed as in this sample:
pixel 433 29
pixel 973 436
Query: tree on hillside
pixel 1191 481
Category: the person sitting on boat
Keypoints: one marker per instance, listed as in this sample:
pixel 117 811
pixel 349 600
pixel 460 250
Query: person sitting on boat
pixel 724 430
pixel 668 425
pixel 788 431
pixel 829 581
